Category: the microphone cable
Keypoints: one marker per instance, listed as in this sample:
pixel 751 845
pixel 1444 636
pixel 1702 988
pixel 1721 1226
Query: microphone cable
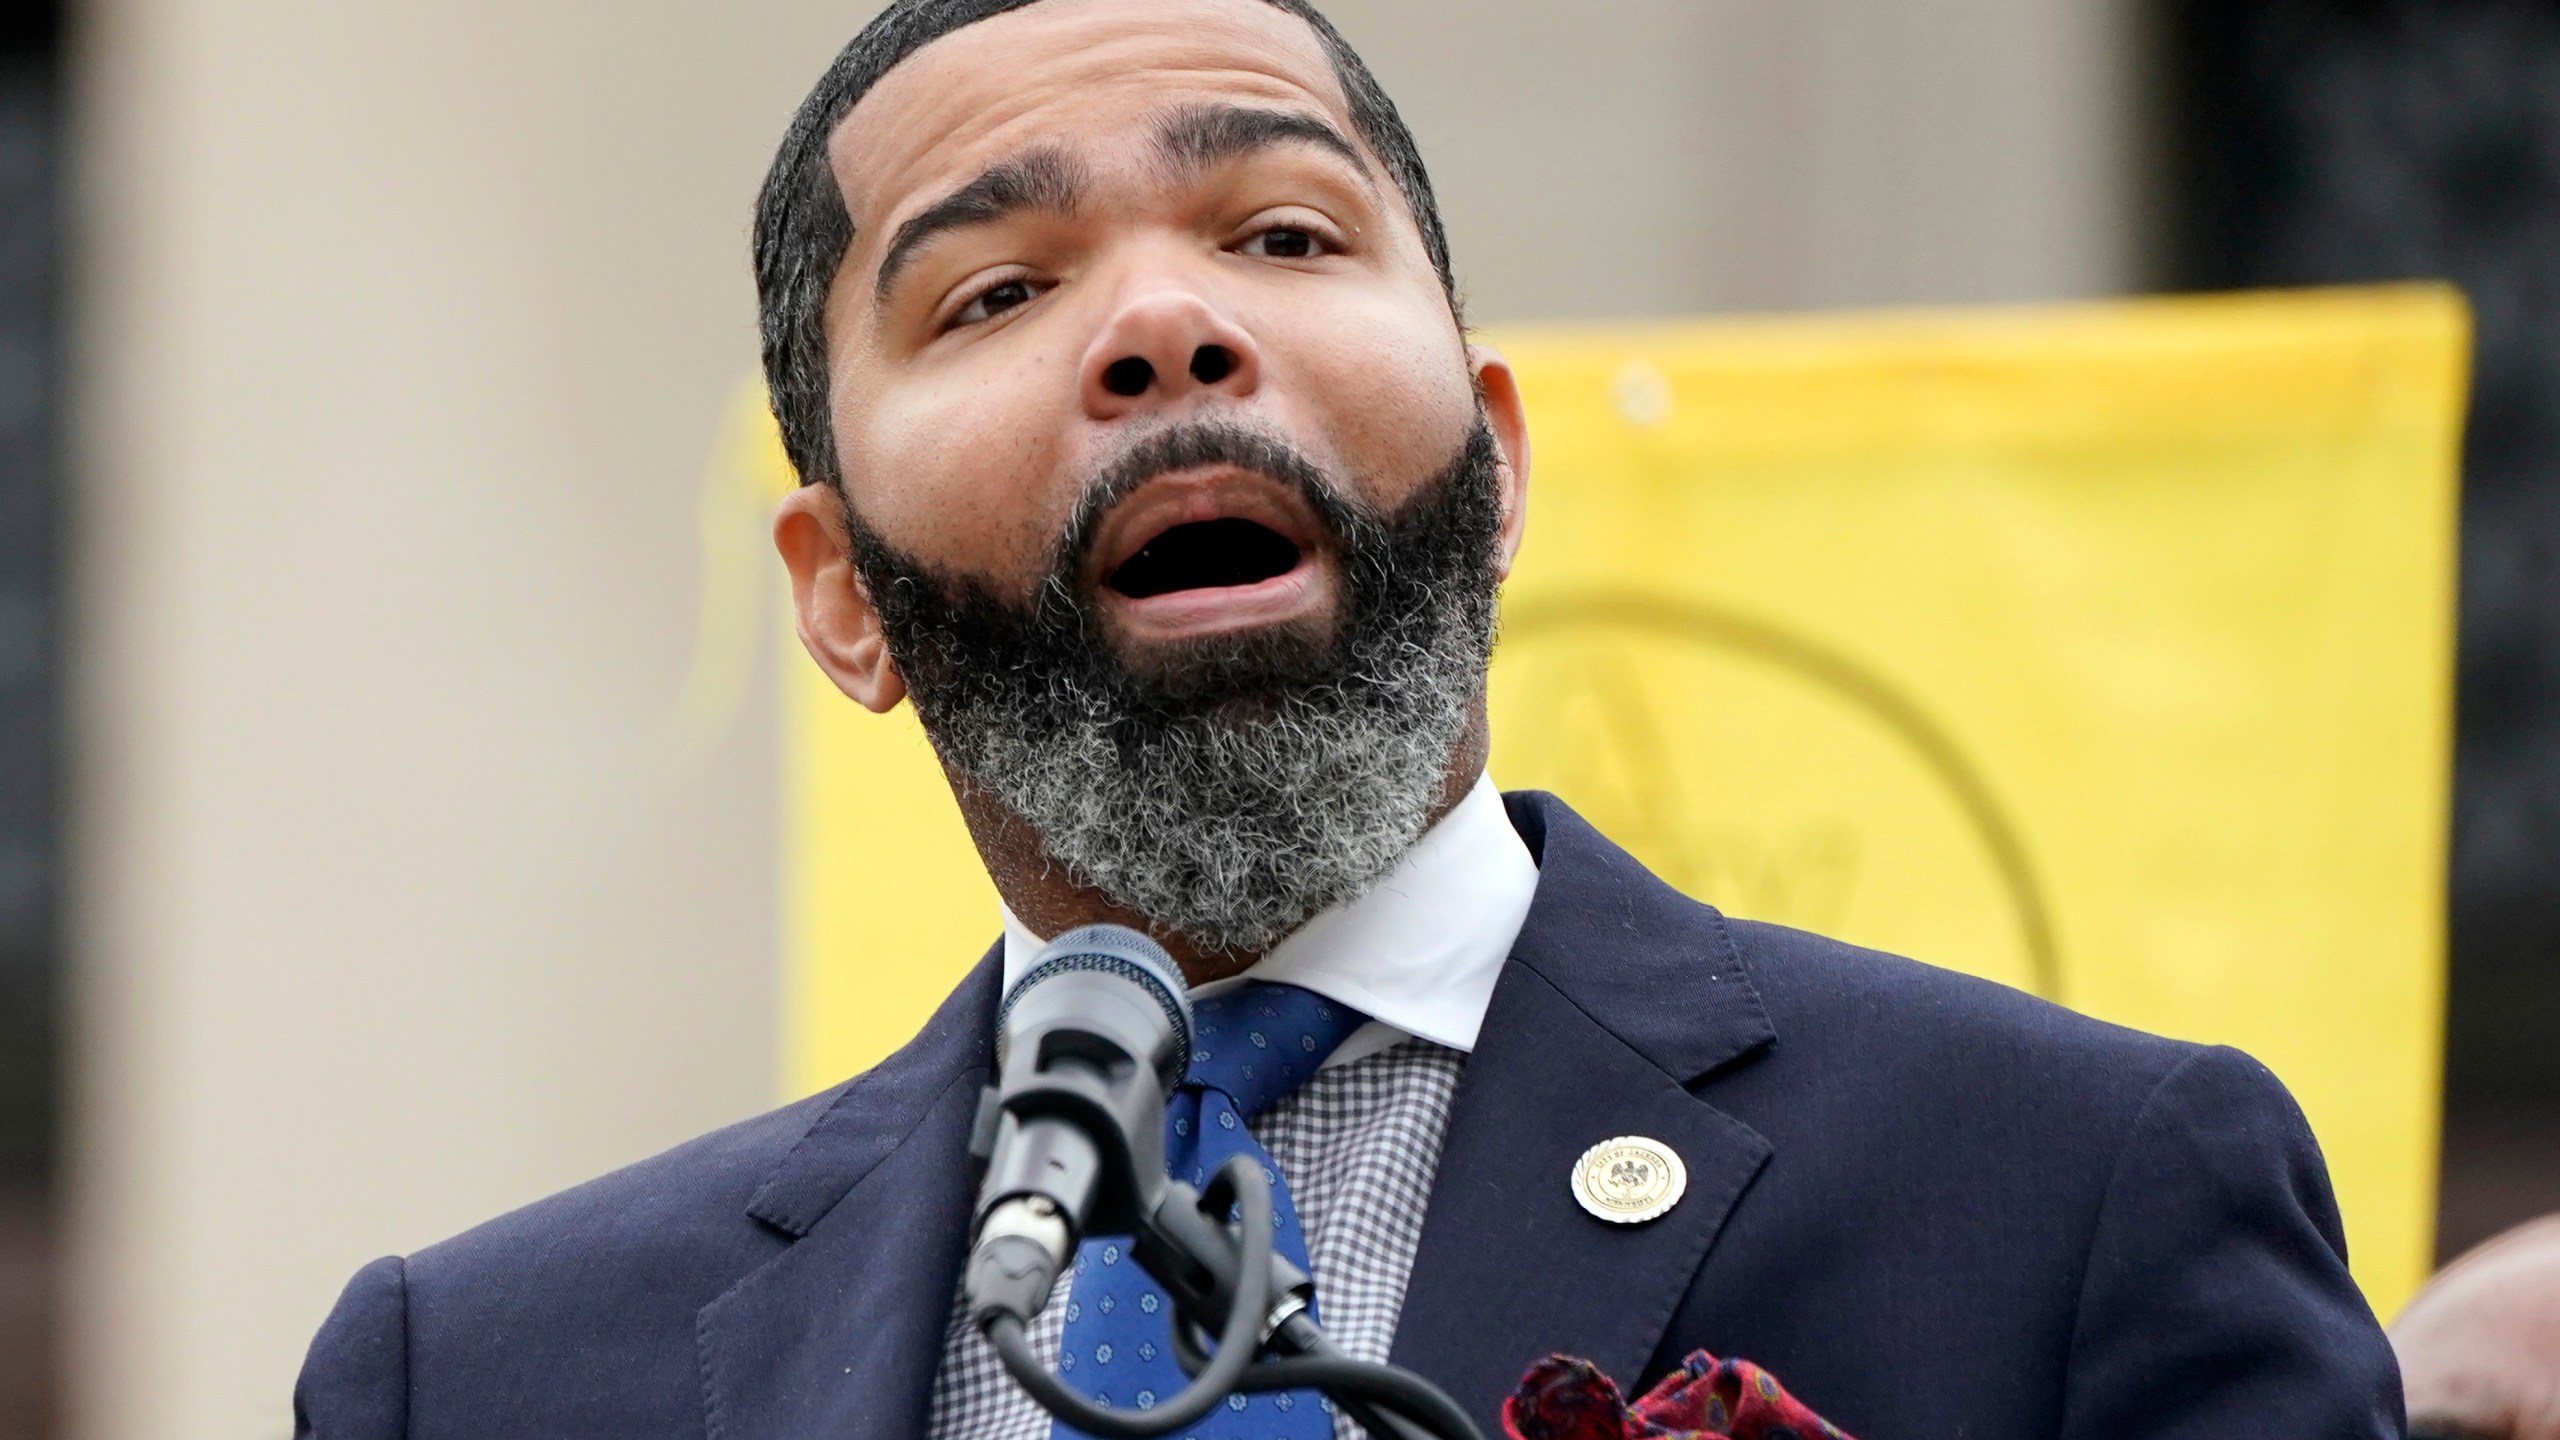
pixel 1390 1403
pixel 1209 1387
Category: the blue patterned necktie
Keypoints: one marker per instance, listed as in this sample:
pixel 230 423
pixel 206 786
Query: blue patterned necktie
pixel 1250 1047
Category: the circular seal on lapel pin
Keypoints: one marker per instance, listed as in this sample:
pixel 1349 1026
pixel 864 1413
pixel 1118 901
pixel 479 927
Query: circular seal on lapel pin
pixel 1629 1180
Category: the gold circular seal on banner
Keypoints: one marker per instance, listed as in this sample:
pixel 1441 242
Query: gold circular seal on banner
pixel 1629 1180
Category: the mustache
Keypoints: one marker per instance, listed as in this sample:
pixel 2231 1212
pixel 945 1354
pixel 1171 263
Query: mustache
pixel 924 604
pixel 1190 445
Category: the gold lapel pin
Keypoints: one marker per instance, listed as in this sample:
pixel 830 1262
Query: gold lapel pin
pixel 1629 1180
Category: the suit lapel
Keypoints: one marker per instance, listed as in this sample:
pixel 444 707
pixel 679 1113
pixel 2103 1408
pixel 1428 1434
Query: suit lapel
pixel 1619 994
pixel 840 1334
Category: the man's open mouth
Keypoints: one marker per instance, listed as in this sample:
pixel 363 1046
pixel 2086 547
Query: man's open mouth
pixel 1209 549
pixel 1205 555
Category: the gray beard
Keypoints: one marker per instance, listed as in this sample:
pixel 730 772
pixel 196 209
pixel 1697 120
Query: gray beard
pixel 1246 784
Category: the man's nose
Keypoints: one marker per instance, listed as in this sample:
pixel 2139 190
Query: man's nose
pixel 1162 346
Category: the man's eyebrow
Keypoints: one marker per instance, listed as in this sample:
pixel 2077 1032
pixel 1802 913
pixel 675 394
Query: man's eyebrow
pixel 1198 137
pixel 1042 179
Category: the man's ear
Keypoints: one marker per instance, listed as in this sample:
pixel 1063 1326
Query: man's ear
pixel 1510 422
pixel 837 624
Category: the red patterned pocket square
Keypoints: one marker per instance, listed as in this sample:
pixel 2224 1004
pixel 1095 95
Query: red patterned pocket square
pixel 1562 1398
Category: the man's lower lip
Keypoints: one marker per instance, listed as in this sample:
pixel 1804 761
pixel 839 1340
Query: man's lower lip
pixel 1184 613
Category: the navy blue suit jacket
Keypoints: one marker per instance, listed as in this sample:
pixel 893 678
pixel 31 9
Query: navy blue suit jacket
pixel 1932 1206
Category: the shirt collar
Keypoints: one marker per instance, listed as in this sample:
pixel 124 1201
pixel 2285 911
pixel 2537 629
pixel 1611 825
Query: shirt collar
pixel 1418 952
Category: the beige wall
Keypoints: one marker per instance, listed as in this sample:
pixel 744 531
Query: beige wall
pixel 403 897
pixel 1648 157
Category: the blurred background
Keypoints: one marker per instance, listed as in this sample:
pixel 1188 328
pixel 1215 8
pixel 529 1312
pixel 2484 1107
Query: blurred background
pixel 364 870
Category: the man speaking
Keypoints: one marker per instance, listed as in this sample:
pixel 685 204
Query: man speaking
pixel 1145 454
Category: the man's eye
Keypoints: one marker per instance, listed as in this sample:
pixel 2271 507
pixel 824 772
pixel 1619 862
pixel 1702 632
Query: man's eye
pixel 1284 243
pixel 996 300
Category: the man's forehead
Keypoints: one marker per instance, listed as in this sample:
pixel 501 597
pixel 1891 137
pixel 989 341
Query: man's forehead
pixel 1062 74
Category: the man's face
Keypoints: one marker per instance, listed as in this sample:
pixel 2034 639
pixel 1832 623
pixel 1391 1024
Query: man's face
pixel 1172 492
pixel 1085 221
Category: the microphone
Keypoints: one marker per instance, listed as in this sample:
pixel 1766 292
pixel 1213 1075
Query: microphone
pixel 1070 1138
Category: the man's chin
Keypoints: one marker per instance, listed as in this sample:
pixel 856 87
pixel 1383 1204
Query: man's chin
pixel 1250 667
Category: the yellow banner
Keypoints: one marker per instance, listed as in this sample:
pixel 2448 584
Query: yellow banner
pixel 2101 650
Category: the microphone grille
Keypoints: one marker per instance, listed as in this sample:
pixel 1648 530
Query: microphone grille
pixel 1126 953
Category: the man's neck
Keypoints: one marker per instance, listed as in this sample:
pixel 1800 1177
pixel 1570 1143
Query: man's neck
pixel 1047 899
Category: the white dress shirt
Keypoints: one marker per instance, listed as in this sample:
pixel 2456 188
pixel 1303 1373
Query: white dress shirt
pixel 1418 953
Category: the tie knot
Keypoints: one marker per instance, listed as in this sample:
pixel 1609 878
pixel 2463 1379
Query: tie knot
pixel 1260 1041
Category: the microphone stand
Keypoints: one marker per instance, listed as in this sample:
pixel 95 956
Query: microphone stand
pixel 1227 1281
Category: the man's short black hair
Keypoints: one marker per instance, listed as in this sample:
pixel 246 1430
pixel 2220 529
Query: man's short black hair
pixel 803 227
